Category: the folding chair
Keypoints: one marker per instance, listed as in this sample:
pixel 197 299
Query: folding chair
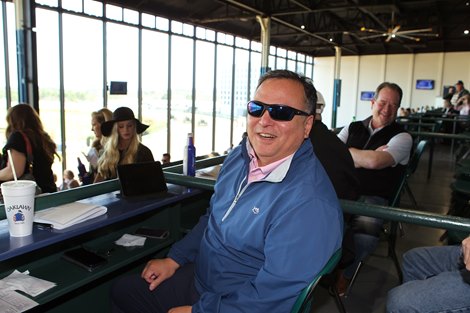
pixel 391 233
pixel 304 300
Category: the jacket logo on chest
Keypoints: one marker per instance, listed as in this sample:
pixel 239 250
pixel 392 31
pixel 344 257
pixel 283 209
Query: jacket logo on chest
pixel 255 210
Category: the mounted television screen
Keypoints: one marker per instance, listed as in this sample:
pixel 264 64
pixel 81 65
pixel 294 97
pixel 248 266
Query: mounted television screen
pixel 118 88
pixel 426 84
pixel 367 95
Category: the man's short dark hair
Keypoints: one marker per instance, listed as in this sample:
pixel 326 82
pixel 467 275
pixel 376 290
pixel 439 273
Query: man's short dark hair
pixel 309 89
pixel 392 86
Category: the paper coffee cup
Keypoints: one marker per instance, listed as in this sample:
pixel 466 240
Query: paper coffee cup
pixel 18 197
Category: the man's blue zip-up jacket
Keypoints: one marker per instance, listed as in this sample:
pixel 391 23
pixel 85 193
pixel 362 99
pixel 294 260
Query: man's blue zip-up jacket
pixel 261 243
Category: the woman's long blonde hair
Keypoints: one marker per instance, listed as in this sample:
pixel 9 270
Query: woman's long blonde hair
pixel 109 161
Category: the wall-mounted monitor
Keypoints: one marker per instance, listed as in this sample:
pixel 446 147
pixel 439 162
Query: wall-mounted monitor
pixel 425 84
pixel 118 88
pixel 367 95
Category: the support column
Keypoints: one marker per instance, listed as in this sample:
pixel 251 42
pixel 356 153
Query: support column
pixel 336 86
pixel 265 23
pixel 26 53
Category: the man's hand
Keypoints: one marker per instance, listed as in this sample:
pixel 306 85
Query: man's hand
pixel 466 252
pixel 181 309
pixel 158 270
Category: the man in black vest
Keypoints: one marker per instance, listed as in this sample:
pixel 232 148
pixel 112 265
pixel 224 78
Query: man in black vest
pixel 380 149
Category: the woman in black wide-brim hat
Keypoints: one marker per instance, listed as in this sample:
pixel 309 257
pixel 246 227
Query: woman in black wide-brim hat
pixel 123 145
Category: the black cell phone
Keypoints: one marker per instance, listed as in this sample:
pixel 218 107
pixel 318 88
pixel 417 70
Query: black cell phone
pixel 84 258
pixel 157 233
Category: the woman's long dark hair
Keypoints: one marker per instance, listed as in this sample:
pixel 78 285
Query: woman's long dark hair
pixel 23 117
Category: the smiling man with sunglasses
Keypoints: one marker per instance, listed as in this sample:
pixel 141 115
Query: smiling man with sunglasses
pixel 274 219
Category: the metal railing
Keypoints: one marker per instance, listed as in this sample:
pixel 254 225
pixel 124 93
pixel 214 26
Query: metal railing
pixel 173 176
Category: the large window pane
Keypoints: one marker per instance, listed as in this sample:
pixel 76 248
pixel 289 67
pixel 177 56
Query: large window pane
pixel 12 53
pixel 181 95
pixel 122 50
pixel 12 68
pixel 300 67
pixel 204 95
pixel 224 97
pixel 93 7
pixel 241 96
pixel 291 65
pixel 73 5
pixel 309 70
pixel 280 63
pixel 47 35
pixel 3 100
pixel 155 91
pixel 255 72
pixel 83 82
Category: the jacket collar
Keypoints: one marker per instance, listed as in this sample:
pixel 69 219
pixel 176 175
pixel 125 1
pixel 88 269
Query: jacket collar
pixel 280 172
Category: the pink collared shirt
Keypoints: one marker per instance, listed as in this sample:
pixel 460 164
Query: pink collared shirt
pixel 258 173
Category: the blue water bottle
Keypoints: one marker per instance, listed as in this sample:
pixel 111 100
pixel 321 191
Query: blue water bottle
pixel 189 157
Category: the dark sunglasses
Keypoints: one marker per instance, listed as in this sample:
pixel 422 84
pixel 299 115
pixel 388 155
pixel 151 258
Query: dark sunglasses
pixel 276 111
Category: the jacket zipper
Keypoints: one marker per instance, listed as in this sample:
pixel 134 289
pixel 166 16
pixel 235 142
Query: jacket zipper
pixel 235 200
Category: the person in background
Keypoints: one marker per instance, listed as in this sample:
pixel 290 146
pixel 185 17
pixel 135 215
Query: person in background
pixel 339 166
pixel 334 156
pixel 464 112
pixel 380 149
pixel 122 145
pixel 69 181
pixel 464 107
pixel 450 93
pixel 448 108
pixel 460 91
pixel 447 126
pixel 26 132
pixel 211 172
pixel 435 279
pixel 270 228
pixel 166 158
pixel 96 149
pixel 402 112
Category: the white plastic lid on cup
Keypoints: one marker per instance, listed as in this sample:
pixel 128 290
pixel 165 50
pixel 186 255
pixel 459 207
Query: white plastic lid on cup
pixel 18 188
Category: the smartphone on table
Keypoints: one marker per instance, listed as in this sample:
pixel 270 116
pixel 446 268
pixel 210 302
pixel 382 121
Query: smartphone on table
pixel 156 233
pixel 84 258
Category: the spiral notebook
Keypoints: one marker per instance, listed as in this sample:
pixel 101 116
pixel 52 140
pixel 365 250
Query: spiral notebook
pixel 142 180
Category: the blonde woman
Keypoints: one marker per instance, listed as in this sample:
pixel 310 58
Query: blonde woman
pixel 98 118
pixel 122 143
pixel 97 146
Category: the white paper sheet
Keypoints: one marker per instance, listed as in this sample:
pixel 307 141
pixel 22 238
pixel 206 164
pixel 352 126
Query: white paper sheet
pixel 12 301
pixel 66 215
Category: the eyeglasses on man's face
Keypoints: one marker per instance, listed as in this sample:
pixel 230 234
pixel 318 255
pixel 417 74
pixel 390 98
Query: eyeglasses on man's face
pixel 277 112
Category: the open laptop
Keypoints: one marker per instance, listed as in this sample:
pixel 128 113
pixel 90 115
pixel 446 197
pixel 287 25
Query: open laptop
pixel 142 180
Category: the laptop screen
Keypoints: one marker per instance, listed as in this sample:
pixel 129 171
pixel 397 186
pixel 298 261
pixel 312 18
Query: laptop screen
pixel 139 179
